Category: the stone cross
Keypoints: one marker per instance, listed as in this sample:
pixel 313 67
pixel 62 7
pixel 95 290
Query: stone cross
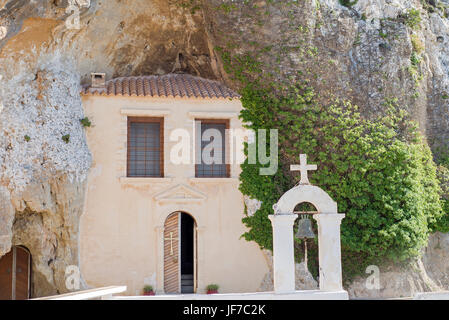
pixel 171 242
pixel 303 167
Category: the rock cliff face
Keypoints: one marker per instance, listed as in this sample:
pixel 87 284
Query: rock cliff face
pixel 368 53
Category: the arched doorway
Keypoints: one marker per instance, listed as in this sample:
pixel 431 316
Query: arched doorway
pixel 180 251
pixel 15 274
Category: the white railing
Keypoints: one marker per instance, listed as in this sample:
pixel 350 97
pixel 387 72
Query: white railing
pixel 99 293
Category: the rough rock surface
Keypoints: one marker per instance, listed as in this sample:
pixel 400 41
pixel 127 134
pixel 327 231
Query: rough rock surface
pixel 45 56
pixel 395 282
pixel 430 273
pixel 252 205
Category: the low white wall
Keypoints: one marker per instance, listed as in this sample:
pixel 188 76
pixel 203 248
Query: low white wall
pixel 444 295
pixel 297 295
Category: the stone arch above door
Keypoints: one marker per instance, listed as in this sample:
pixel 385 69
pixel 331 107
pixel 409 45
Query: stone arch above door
pixel 168 210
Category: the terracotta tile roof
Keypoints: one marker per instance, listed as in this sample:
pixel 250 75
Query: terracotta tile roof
pixel 165 86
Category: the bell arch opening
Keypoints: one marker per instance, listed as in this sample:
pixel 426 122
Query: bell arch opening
pixel 305 208
pixel 305 234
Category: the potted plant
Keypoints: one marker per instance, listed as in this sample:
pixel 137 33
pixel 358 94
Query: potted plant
pixel 212 288
pixel 148 291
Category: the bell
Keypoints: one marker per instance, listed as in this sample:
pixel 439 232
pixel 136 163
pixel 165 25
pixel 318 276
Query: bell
pixel 305 228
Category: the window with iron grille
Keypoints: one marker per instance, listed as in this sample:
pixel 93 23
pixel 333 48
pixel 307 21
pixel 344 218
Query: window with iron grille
pixel 216 166
pixel 145 147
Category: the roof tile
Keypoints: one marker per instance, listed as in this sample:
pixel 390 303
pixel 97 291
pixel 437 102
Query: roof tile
pixel 170 85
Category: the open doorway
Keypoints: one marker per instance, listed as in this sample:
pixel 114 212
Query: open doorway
pixel 187 253
pixel 180 272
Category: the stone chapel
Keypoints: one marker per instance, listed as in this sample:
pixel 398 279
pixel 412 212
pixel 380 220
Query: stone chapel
pixel 149 220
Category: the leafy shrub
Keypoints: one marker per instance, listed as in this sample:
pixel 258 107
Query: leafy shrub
pixel 442 224
pixel 413 18
pixel 415 59
pixel 66 138
pixel 85 122
pixel 348 3
pixel 379 171
pixel 417 44
pixel 147 288
pixel 212 287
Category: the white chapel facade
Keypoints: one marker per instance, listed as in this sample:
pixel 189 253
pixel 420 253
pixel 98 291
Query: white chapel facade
pixel 148 220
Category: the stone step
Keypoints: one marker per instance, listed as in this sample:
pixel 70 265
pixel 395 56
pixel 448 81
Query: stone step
pixel 186 289
pixel 186 276
pixel 188 282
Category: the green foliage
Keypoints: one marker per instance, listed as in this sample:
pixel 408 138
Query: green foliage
pixel 442 224
pixel 415 59
pixel 193 5
pixel 382 34
pixel 442 160
pixel 147 288
pixel 66 138
pixel 212 287
pixel 413 18
pixel 348 3
pixel 417 44
pixel 380 173
pixel 27 138
pixel 85 122
pixel 226 8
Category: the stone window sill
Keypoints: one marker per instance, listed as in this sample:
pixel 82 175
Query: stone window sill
pixel 214 180
pixel 149 180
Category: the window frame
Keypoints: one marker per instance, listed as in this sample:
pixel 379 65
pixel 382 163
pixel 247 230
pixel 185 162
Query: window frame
pixel 159 120
pixel 226 122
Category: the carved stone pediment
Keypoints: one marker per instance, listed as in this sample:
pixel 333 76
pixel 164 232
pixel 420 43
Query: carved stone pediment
pixel 180 193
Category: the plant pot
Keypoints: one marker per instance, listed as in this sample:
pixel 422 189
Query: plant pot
pixel 148 293
pixel 212 291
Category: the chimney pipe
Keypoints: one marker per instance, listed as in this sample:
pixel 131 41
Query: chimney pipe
pixel 98 80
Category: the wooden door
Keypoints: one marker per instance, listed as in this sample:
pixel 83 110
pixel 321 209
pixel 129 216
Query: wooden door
pixel 22 274
pixel 172 283
pixel 15 274
pixel 6 276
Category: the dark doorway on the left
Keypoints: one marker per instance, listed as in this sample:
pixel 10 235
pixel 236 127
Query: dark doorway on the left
pixel 15 274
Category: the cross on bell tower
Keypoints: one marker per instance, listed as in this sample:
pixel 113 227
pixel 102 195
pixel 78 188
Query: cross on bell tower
pixel 303 167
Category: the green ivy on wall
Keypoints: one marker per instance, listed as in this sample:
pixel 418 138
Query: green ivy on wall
pixel 380 172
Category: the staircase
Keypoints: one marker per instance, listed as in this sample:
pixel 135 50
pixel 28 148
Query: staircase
pixel 187 283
